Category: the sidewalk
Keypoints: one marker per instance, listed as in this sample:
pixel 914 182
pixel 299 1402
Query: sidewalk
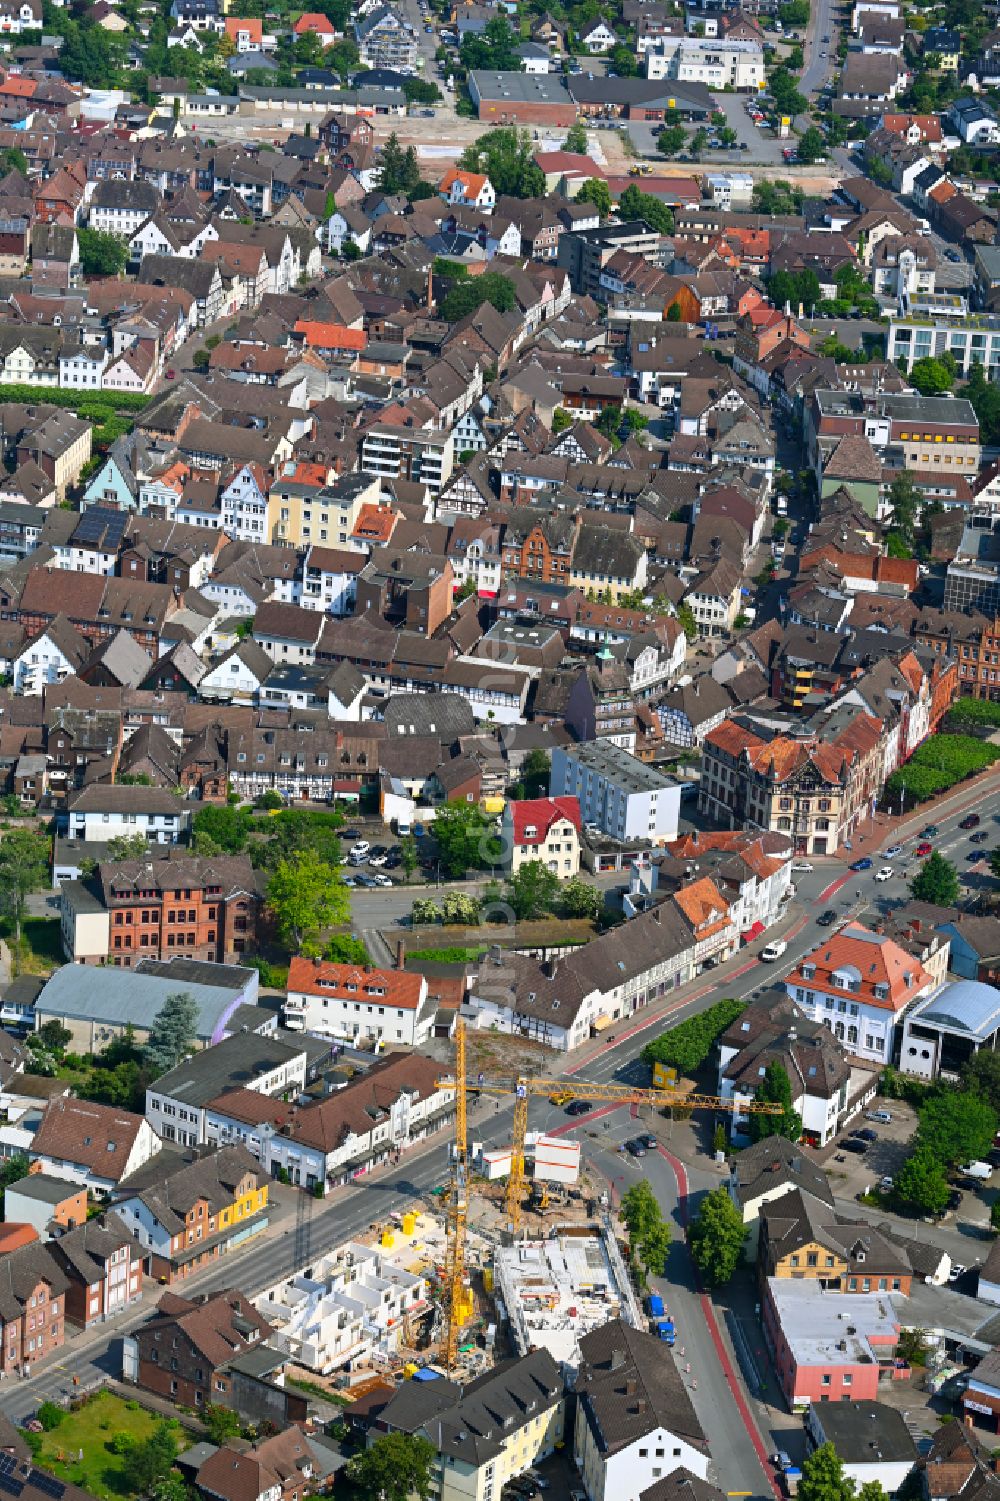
pixel 883 827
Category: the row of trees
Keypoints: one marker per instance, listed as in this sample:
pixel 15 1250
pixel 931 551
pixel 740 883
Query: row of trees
pixel 940 763
pixel 533 891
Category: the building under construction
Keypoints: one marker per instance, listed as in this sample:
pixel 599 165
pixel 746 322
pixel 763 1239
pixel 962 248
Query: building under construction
pixel 553 1291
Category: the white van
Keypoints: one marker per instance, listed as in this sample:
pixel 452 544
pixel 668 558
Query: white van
pixel 773 951
pixel 982 1170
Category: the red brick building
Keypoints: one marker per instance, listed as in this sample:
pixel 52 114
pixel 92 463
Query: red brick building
pixel 102 1265
pixel 204 907
pixel 182 1350
pixel 32 1314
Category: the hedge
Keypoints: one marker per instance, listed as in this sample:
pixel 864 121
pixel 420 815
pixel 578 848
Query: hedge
pixel 979 711
pixel 96 406
pixel 940 763
pixel 687 1046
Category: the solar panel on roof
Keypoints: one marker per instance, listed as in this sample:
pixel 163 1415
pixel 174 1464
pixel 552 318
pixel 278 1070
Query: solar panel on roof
pixel 47 1484
pixel 7 1463
pixel 10 1485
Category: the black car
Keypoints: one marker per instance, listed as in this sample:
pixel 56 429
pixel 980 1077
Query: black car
pixel 827 919
pixel 970 821
pixel 351 834
pixel 649 1142
pixel 980 838
pixel 859 1147
pixel 866 1135
pixel 635 1149
pixel 393 860
pixel 930 832
pixel 579 1107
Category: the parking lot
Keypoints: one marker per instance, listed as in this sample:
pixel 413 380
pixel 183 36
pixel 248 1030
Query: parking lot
pixel 855 1173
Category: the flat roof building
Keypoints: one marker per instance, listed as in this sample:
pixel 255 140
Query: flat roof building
pixel 827 1346
pixel 522 98
pixel 945 1031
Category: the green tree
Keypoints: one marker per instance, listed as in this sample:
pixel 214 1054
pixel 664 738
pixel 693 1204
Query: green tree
pixel 408 855
pixel 775 1089
pixel 794 13
pixel 823 1477
pixel 531 891
pixel 981 1077
pixel 101 253
pixel 396 1467
pixel 596 191
pixel 811 147
pixel 473 291
pixel 421 91
pixel 931 376
pixel 459 907
pixel 984 395
pixel 671 140
pixel 639 1212
pixel 576 138
pixel 174 1032
pixel 201 359
pixel 24 868
pixel 995 1215
pixel 12 160
pixel 635 204
pixel 561 420
pixel 506 154
pixel 778 197
pixel 654 1249
pixel 716 1237
pixel 495 48
pixel 306 894
pixel 50 1415
pixel 344 948
pixel 425 911
pixel 466 839
pixel 128 847
pixel 936 881
pixel 687 622
pixel 577 899
pixel 226 826
pixel 956 1126
pixel 535 773
pixel 921 1184
pixel 151 1461
pixel 221 1423
pixel 872 1491
pixel 391 177
pixel 623 62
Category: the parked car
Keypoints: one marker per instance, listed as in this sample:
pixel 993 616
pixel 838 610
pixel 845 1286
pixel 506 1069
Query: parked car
pixel 970 821
pixel 958 1269
pixel 781 1461
pixel 979 838
pixel 802 865
pixel 579 1107
pixel 649 1142
pixel 378 879
pixel 880 1117
pixel 635 1149
pixel 359 852
pixel 772 951
pixel 867 1134
pixel 886 1184
pixel 865 863
pixel 885 874
pixel 857 1147
pixel 827 919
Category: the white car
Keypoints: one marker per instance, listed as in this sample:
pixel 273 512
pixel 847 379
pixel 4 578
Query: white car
pixel 378 879
pixel 892 851
pixel 359 852
pixel 802 865
pixel 886 1185
pixel 885 874
pixel 957 1270
pixel 773 951
pixel 377 860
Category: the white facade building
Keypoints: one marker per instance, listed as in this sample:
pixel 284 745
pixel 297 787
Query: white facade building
pixel 618 794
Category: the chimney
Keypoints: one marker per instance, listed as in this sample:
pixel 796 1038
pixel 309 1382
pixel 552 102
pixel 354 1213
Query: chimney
pixel 631 1387
pixel 430 288
pixel 617 1359
pixel 550 967
pixel 401 955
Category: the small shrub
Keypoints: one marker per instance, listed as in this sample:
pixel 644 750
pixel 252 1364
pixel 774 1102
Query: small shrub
pixel 50 1415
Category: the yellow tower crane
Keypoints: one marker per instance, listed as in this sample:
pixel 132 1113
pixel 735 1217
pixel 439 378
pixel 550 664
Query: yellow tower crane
pixel 457 1300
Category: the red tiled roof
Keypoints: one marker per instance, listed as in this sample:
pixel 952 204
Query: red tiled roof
pixel 869 959
pixel 533 817
pixel 392 987
pixel 330 335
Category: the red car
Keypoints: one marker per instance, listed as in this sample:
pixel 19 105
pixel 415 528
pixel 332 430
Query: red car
pixel 924 848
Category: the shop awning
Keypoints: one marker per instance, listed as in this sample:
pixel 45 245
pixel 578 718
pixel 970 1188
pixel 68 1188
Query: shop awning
pixel 601 1023
pixel 753 932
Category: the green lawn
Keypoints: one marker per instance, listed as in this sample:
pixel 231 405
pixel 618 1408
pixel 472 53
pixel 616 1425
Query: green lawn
pixel 41 945
pixel 91 1430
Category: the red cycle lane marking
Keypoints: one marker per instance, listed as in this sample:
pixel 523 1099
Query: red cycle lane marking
pixel 708 1312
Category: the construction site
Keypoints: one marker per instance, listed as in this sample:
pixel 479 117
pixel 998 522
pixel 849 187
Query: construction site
pixel 518 1251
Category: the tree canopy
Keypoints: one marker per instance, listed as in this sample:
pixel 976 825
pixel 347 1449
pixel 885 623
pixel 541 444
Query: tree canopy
pixel 686 1047
pixel 717 1237
pixel 494 48
pixel 956 1126
pixel 24 868
pixel 506 156
pixel 174 1033
pixel 936 881
pixel 466 838
pixel 921 1184
pixel 306 894
pixel 823 1477
pixel 471 292
pixel 635 204
pixel 775 1089
pixel 531 891
pixel 101 253
pixel 932 376
pixel 396 1467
